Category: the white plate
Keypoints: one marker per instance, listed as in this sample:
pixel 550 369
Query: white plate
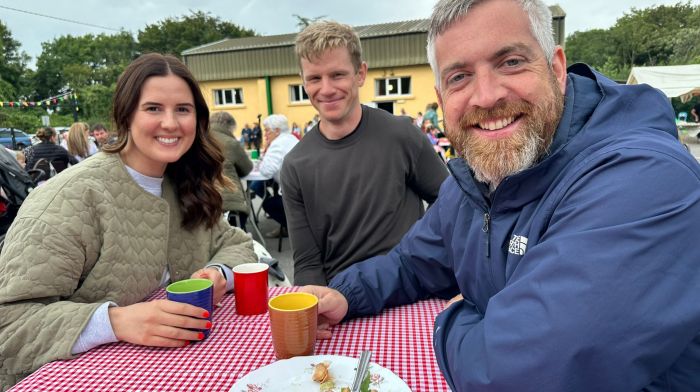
pixel 294 374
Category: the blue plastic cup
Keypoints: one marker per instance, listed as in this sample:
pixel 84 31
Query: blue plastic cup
pixel 197 292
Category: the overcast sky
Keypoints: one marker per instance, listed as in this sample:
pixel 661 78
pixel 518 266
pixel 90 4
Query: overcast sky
pixel 264 16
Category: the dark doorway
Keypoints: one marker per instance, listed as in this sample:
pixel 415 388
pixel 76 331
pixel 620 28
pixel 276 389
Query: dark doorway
pixel 388 106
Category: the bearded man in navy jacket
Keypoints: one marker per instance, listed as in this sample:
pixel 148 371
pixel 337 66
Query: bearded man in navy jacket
pixel 566 233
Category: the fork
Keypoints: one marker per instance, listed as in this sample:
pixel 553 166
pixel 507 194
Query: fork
pixel 361 370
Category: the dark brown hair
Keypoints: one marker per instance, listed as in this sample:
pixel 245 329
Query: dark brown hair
pixel 45 134
pixel 197 175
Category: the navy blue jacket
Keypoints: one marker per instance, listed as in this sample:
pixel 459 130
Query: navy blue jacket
pixel 581 273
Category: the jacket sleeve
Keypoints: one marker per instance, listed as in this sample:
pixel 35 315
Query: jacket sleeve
pixel 308 266
pixel 231 246
pixel 607 298
pixel 417 268
pixel 37 269
pixel 242 162
pixel 428 172
pixel 71 159
pixel 272 161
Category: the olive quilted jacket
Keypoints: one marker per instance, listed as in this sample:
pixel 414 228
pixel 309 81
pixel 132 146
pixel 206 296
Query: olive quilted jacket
pixel 88 236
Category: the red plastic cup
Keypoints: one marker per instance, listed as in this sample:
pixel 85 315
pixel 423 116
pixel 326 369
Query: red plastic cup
pixel 250 288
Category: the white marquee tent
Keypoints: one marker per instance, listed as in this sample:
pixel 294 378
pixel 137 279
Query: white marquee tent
pixel 681 81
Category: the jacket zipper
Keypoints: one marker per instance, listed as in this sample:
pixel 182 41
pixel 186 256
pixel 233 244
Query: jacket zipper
pixel 485 229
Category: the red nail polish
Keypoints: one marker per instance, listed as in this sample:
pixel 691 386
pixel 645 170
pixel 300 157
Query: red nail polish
pixel 208 326
pixel 187 343
pixel 206 314
pixel 200 336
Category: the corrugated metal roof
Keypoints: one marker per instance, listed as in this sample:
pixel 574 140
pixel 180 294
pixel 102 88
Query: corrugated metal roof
pixel 368 31
pixel 393 44
pixel 230 44
pixel 269 41
pixel 393 28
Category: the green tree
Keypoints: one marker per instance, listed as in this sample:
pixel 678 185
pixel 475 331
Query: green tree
pixel 7 91
pixel 89 65
pixel 76 62
pixel 12 63
pixel 660 35
pixel 27 120
pixel 174 35
pixel 95 103
pixel 686 49
pixel 590 47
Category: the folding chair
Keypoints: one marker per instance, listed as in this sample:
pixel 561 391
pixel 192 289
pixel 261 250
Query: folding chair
pixel 276 277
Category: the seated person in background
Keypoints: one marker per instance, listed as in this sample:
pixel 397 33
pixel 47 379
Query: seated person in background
pixel 48 149
pixel 102 136
pixel 430 133
pixel 431 115
pixel 357 181
pixel 279 142
pixel 78 143
pixel 695 111
pixel 237 164
pixel 566 233
pixel 92 243
pixel 63 138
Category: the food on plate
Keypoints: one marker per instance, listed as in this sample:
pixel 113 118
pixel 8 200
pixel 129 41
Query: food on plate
pixel 322 375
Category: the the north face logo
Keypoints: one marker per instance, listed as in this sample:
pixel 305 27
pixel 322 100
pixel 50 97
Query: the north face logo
pixel 517 245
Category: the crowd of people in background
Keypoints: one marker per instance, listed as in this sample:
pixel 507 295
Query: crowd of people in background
pixel 253 138
pixel 56 151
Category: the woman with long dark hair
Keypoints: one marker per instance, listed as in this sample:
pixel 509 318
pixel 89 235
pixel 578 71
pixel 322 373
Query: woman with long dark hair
pixel 90 245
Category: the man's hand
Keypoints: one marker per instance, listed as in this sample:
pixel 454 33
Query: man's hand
pixel 213 274
pixel 161 323
pixel 332 307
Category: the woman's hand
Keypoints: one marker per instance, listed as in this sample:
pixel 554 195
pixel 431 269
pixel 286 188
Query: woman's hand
pixel 213 274
pixel 161 323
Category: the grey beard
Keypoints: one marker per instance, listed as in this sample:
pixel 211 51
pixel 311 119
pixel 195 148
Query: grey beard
pixel 510 162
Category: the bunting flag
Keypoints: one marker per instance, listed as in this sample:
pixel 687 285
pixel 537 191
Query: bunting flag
pixel 71 97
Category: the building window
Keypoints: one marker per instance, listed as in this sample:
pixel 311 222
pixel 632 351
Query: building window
pixel 297 93
pixel 393 86
pixel 231 96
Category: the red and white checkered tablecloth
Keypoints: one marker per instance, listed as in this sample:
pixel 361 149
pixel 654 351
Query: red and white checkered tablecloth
pixel 400 340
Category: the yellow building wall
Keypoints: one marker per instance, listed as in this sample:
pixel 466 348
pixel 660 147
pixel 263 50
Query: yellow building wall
pixel 255 98
pixel 422 88
pixel 296 112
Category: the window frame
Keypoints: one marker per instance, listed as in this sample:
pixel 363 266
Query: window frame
pixel 220 96
pixel 298 89
pixel 401 86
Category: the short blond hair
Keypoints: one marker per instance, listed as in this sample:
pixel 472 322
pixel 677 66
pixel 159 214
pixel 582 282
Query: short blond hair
pixel 319 37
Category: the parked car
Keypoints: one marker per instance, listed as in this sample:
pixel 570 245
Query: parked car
pixel 22 140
